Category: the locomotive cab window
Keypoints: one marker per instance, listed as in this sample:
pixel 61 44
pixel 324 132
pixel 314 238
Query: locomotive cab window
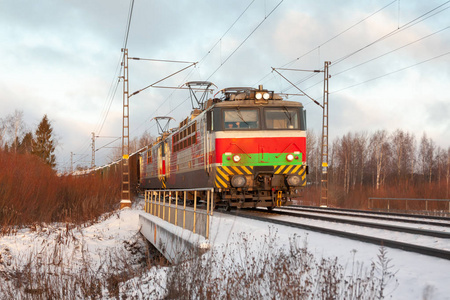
pixel 281 118
pixel 237 119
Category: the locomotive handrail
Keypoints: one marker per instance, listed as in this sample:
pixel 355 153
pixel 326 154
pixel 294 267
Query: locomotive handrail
pixel 164 208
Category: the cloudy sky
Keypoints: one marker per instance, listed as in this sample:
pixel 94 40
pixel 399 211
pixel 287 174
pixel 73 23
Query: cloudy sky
pixel 390 62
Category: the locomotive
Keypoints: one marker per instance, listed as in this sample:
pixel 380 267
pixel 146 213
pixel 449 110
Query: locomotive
pixel 248 144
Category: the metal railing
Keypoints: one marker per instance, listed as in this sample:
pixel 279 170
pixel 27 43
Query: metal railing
pixel 165 204
pixel 389 203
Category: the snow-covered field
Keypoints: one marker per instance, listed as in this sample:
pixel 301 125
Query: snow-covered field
pixel 113 247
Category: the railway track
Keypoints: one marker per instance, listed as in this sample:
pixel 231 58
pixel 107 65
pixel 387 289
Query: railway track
pixel 356 219
pixel 418 219
pixel 433 242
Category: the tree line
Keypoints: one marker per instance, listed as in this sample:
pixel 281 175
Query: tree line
pixel 395 161
pixel 16 138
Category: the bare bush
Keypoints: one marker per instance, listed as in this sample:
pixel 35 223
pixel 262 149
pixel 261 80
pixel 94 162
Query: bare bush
pixel 252 270
pixel 31 192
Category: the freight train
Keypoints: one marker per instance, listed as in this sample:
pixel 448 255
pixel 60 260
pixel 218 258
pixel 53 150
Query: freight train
pixel 248 144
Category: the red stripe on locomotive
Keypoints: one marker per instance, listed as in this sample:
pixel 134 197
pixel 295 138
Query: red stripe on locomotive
pixel 260 145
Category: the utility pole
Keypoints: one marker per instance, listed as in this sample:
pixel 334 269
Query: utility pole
pixel 324 151
pixel 125 193
pixel 71 162
pixel 324 145
pixel 93 151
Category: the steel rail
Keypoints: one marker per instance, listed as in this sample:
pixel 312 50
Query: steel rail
pixel 354 236
pixel 302 211
pixel 377 213
pixel 426 232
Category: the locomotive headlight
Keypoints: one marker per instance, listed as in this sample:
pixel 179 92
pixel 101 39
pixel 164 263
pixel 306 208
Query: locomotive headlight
pixel 266 96
pixel 238 181
pixel 294 180
pixel 236 158
pixel 259 96
pixel 290 157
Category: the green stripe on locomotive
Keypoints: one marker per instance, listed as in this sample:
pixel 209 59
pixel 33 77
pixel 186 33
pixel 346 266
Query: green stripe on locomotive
pixel 261 159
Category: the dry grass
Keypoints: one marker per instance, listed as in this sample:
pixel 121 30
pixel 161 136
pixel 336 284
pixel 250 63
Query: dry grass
pixel 49 272
pixel 32 193
pixel 263 271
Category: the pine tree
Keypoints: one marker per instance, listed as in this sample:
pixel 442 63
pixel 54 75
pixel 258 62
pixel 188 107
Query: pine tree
pixel 43 145
pixel 25 146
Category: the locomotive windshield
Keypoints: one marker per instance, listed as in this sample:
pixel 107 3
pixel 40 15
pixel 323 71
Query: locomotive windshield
pixel 241 118
pixel 281 118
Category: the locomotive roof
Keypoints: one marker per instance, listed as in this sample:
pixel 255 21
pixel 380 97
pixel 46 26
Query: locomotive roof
pixel 250 103
pixel 248 96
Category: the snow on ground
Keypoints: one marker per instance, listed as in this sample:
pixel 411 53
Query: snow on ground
pixel 417 275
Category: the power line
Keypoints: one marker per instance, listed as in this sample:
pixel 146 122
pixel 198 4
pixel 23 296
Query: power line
pixel 393 32
pixel 130 15
pixel 341 33
pixel 389 52
pixel 393 72
pixel 239 46
pixel 114 84
pixel 401 28
pixel 330 39
pixel 203 58
pixel 223 35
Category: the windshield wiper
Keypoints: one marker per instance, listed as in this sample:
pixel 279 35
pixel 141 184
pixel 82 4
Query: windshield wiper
pixel 288 115
pixel 240 115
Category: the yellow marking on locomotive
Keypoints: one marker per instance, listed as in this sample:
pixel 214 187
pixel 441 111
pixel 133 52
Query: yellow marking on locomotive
pixel 278 169
pixel 220 183
pixel 248 171
pixel 225 176
pixel 288 169
pixel 237 170
pixel 296 169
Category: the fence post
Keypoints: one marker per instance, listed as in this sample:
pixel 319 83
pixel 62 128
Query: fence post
pixel 170 202
pixel 159 204
pixel 184 211
pixel 151 202
pixel 212 201
pixel 195 211
pixel 164 206
pixel 176 208
pixel 207 214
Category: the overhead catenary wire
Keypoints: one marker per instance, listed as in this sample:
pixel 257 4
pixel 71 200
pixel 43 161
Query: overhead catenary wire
pixel 393 32
pixel 389 52
pixel 127 32
pixel 114 84
pixel 218 41
pixel 378 57
pixel 409 24
pixel 390 73
pixel 248 36
pixel 329 40
pixel 229 28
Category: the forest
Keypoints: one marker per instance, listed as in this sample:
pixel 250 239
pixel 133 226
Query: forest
pixel 381 164
pixel 361 165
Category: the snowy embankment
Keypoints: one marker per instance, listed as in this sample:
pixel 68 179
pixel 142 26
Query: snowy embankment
pixel 108 260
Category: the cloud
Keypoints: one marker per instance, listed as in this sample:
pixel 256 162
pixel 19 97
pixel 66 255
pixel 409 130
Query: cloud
pixel 61 58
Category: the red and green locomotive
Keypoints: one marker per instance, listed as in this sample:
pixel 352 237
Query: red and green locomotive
pixel 249 145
